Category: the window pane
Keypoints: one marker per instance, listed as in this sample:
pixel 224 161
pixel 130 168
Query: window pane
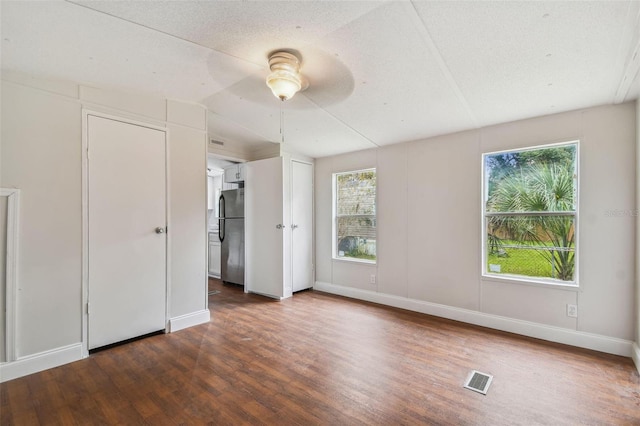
pixel 356 193
pixel 517 184
pixel 355 215
pixel 532 246
pixel 356 237
pixel 542 179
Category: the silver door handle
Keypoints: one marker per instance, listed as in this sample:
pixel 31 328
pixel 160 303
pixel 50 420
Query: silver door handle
pixel 280 226
pixel 159 230
pixel 294 226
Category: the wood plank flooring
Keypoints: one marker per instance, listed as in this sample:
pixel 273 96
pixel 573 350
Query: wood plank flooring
pixel 318 359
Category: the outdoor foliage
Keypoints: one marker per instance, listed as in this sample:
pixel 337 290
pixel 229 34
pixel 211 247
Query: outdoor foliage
pixel 527 182
pixel 356 214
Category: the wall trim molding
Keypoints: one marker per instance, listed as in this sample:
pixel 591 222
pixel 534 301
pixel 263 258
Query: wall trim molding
pixel 565 336
pixel 189 320
pixel 41 361
pixel 11 269
pixel 635 355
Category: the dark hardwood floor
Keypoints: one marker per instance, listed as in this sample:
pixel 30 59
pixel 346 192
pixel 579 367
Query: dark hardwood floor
pixel 318 359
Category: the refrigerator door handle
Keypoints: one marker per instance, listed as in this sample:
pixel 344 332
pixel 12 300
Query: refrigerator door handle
pixel 221 221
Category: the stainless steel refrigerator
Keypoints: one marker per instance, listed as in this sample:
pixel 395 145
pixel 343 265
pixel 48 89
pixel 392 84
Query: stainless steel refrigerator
pixel 231 234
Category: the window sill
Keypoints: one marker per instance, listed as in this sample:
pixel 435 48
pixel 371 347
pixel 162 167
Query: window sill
pixel 512 279
pixel 354 260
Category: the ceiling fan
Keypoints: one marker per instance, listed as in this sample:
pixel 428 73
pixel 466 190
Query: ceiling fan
pixel 324 79
pixel 307 79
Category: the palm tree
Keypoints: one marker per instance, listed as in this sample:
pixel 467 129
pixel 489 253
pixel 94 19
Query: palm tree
pixel 537 188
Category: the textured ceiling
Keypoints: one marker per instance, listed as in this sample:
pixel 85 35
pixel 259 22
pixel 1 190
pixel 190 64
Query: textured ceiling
pixel 380 72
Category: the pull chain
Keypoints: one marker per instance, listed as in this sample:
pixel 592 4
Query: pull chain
pixel 281 123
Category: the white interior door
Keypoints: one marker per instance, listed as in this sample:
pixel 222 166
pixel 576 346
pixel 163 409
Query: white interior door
pixel 264 232
pixel 127 254
pixel 302 225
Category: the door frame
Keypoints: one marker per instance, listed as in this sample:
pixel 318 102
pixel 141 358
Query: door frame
pixel 11 271
pixel 85 217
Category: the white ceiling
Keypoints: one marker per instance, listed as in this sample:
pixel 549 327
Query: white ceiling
pixel 380 72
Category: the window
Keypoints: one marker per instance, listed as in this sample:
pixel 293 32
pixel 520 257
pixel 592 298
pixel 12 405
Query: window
pixel 355 215
pixel 530 212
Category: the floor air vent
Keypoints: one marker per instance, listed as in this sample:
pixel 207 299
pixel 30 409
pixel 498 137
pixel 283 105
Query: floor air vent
pixel 478 382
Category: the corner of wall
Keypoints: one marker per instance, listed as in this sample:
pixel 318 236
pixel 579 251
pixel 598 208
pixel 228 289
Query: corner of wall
pixel 637 257
pixel 189 320
pixel 267 150
pixel 292 154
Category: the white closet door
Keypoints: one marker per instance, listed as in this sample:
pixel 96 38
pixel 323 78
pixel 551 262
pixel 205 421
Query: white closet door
pixel 264 232
pixel 127 223
pixel 302 225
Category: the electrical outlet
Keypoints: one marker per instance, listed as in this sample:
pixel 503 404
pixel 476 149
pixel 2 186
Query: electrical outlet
pixel 372 279
pixel 572 310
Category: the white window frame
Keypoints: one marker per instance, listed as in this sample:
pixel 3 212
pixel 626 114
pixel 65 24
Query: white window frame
pixel 484 196
pixel 334 185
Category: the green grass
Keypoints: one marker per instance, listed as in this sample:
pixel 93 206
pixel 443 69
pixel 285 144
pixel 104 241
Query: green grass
pixel 520 262
pixel 358 255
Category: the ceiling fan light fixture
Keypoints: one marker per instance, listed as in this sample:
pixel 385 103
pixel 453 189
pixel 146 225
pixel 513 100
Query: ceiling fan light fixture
pixel 283 84
pixel 285 79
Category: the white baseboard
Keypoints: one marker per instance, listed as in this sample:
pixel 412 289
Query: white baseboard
pixel 41 361
pixel 580 339
pixel 635 354
pixel 189 320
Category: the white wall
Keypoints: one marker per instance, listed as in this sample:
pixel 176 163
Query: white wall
pixel 429 225
pixel 188 220
pixel 41 155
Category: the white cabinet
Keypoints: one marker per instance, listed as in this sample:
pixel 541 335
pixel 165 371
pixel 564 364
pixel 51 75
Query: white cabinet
pixel 235 173
pixel 214 255
pixel 278 227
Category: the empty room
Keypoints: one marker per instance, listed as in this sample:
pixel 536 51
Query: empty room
pixel 319 212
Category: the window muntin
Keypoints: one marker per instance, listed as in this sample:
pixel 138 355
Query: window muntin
pixel 530 214
pixel 355 215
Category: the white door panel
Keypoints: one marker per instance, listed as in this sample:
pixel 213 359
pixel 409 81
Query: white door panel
pixel 263 239
pixel 127 257
pixel 302 219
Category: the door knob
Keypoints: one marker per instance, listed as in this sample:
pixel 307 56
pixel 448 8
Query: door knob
pixel 294 226
pixel 280 226
pixel 159 230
